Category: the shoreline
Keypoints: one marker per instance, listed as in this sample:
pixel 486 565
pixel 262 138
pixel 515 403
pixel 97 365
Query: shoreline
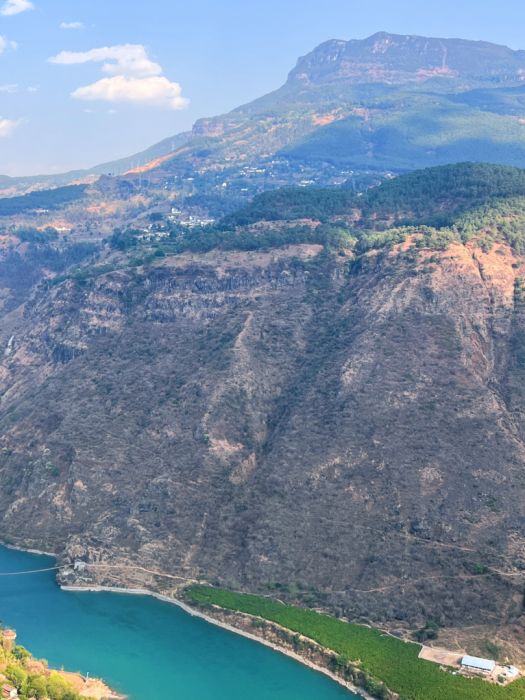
pixel 29 551
pixel 360 692
pixel 230 628
pixel 91 688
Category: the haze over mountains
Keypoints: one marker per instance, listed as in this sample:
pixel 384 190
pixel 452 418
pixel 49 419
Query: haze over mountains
pixel 388 102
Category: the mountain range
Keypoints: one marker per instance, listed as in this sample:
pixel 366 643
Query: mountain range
pixel 311 392
pixel 385 103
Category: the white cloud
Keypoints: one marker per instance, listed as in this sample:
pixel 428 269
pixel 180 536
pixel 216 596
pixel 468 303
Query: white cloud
pixel 71 25
pixel 6 44
pixel 8 88
pixel 131 60
pixel 32 89
pixel 13 7
pixel 135 78
pixel 156 92
pixel 7 126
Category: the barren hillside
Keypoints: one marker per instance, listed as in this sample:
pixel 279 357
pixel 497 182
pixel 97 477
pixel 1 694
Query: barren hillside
pixel 356 437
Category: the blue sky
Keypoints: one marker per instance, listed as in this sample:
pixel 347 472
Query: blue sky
pixel 185 60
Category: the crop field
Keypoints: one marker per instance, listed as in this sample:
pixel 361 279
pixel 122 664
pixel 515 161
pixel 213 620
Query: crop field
pixel 388 659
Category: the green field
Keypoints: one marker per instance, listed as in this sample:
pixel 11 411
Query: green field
pixel 387 659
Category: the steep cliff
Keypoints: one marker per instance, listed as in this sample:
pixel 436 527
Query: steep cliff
pixel 355 436
pixel 397 59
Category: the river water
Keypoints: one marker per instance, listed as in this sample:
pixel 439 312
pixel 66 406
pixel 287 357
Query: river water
pixel 144 648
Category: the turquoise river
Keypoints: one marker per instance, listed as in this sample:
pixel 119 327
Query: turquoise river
pixel 144 648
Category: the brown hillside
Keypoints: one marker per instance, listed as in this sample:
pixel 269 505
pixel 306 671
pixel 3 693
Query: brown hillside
pixel 257 422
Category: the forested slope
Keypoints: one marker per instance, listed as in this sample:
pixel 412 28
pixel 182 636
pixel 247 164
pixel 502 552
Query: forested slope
pixel 436 206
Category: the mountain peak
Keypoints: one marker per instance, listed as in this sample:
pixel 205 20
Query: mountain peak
pixel 398 58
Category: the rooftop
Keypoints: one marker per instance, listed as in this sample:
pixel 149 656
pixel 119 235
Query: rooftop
pixel 475 662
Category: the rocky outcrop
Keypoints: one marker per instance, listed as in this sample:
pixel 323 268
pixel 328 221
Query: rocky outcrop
pixel 216 126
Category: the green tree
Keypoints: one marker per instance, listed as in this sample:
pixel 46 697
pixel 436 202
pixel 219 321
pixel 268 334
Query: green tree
pixel 36 687
pixel 21 653
pixel 16 675
pixel 60 689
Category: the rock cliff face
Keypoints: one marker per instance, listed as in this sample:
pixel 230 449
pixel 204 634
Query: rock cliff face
pixel 358 433
pixel 215 127
pixel 395 58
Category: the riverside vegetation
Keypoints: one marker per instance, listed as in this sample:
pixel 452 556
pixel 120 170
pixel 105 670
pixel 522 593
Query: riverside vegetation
pixel 30 677
pixel 365 656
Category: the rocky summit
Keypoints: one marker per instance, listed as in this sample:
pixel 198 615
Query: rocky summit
pixel 394 59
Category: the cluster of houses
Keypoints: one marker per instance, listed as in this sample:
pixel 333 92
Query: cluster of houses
pixel 193 222
pixel 247 171
pixel 152 235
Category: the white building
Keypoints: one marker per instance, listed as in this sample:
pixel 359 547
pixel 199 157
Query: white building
pixel 192 223
pixel 478 664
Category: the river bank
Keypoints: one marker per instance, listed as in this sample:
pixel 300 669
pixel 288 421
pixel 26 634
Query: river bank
pixel 282 641
pixel 29 551
pixel 31 676
pixel 90 687
pixel 140 646
pixel 218 619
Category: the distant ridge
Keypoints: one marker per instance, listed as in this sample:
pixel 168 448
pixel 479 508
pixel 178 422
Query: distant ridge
pixel 396 58
pixel 114 167
pixel 403 102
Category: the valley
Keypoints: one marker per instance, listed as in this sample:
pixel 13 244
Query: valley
pixel 141 646
pixel 283 355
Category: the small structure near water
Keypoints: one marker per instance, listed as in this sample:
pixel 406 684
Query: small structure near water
pixel 8 639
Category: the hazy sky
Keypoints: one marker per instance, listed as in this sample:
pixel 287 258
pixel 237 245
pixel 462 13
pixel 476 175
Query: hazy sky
pixel 126 74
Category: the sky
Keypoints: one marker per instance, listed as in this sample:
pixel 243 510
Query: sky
pixel 83 82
